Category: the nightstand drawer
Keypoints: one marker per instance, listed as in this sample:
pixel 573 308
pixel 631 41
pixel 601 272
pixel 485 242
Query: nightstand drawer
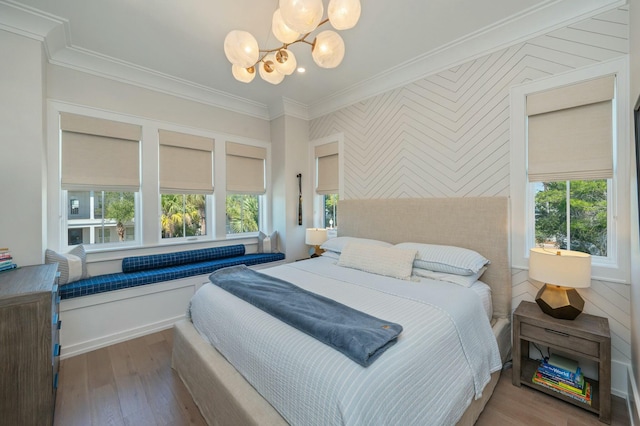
pixel 559 339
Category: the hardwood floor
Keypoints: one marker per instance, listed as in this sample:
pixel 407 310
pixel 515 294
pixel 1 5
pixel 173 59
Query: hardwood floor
pixel 132 383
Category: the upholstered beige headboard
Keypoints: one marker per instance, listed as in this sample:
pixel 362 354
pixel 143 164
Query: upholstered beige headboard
pixel 480 224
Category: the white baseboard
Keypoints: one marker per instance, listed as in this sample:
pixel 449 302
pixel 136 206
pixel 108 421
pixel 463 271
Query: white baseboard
pixel 99 320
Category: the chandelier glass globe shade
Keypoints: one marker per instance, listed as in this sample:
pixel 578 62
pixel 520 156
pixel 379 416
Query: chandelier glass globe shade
pixel 285 61
pixel 283 33
pixel 344 14
pixel 245 75
pixel 302 16
pixel 268 70
pixel 241 48
pixel 328 49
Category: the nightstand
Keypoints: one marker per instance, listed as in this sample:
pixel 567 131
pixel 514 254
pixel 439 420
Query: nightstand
pixel 586 337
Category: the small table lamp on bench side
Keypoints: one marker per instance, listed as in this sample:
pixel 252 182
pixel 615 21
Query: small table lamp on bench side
pixel 315 237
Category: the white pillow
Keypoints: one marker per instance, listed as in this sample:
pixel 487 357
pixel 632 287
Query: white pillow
pixel 330 254
pixel 72 266
pixel 462 280
pixel 449 259
pixel 337 244
pixel 268 243
pixel 388 261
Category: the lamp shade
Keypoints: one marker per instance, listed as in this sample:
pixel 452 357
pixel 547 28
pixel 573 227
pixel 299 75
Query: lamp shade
pixel 285 62
pixel 245 75
pixel 328 49
pixel 315 236
pixel 283 33
pixel 268 70
pixel 302 16
pixel 241 48
pixel 344 14
pixel 565 268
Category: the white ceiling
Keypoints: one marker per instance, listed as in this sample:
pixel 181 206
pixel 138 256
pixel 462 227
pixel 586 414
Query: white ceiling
pixel 178 44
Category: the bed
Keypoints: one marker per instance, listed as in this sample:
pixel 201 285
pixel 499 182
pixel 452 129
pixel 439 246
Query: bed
pixel 223 394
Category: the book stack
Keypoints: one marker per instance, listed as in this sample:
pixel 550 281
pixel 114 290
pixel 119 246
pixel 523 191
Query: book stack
pixel 6 260
pixel 563 375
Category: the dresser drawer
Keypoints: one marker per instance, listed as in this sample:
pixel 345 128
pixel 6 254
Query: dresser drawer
pixel 561 340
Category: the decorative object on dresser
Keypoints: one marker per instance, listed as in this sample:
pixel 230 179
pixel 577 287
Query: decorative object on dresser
pixel 587 337
pixel 315 237
pixel 562 271
pixel 29 331
pixel 6 260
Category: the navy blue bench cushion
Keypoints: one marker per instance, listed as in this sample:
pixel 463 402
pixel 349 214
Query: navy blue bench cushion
pixel 157 261
pixel 109 282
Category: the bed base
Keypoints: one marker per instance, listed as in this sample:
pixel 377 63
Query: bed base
pixel 224 397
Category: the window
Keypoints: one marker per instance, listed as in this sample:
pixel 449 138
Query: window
pixel 325 165
pixel 111 220
pixel 183 215
pixel 245 184
pixel 186 178
pixel 572 215
pixel 100 176
pixel 243 213
pixel 569 167
pixel 330 202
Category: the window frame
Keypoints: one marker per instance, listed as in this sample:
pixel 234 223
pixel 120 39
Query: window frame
pixel 616 267
pixel 318 199
pixel 148 200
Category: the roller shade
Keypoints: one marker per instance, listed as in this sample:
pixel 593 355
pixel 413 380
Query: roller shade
pixel 570 132
pixel 186 163
pixel 99 154
pixel 327 168
pixel 245 169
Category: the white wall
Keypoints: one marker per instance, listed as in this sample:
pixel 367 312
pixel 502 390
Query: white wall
pixel 447 135
pixel 290 136
pixel 634 49
pixel 22 167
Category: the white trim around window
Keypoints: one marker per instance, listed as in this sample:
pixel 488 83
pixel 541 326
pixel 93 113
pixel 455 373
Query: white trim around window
pixel 616 267
pixel 318 207
pixel 148 232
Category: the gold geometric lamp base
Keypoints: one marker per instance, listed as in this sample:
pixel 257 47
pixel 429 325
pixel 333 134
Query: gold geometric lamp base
pixel 560 302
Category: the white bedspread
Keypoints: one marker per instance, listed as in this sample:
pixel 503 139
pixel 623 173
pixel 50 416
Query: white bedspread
pixel 441 362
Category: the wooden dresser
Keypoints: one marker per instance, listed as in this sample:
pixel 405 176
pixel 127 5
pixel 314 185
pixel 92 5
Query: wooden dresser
pixel 29 345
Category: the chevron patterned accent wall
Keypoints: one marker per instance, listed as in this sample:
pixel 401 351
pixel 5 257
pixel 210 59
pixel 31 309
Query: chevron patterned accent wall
pixel 447 135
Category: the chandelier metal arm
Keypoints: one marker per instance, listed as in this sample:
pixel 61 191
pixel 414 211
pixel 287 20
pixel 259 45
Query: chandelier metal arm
pixel 286 45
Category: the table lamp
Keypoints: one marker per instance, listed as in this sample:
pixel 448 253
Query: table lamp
pixel 562 271
pixel 315 237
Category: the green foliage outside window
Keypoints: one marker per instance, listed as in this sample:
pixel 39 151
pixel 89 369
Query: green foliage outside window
pixel 331 210
pixel 183 215
pixel 119 207
pixel 585 229
pixel 243 213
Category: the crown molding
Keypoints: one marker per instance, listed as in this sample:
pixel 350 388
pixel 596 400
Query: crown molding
pixel 54 33
pixel 516 29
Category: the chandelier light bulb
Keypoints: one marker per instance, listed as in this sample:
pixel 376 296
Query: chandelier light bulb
pixel 328 49
pixel 268 70
pixel 241 48
pixel 245 75
pixel 343 14
pixel 302 16
pixel 285 62
pixel 283 33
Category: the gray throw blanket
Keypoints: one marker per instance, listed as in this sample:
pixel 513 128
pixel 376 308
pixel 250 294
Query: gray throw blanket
pixel 359 336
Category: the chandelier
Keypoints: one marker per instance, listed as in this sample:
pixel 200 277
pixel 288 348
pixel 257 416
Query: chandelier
pixel 292 23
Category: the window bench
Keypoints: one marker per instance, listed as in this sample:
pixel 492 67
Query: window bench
pixel 150 269
pixel 151 294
